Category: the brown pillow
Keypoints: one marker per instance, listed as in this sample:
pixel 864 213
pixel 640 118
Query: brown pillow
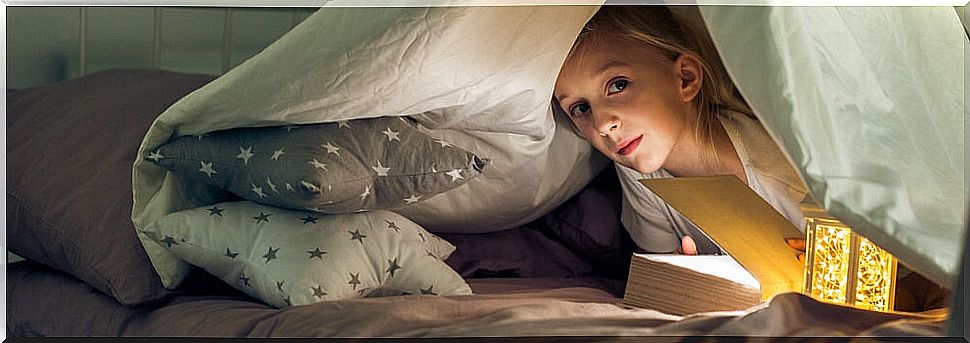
pixel 589 223
pixel 70 148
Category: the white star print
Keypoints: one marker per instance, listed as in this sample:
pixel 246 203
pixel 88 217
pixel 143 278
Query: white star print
pixel 331 149
pixel 245 154
pixel 277 154
pixel 443 143
pixel 381 170
pixel 366 193
pixel 412 199
pixel 342 123
pixel 433 170
pixel 319 164
pixel 310 186
pixel 155 156
pixel 289 187
pixel 391 135
pixel 455 175
pixel 207 169
pixel 258 191
pixel 271 185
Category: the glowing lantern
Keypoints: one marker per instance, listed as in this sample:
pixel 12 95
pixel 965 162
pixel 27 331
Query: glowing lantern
pixel 843 267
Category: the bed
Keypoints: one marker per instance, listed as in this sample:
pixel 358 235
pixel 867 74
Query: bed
pixel 501 307
pixel 530 280
pixel 90 270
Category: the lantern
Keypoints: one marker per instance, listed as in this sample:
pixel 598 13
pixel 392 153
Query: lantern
pixel 844 267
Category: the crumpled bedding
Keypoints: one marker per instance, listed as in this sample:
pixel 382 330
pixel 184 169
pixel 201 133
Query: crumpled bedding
pixel 44 302
pixel 868 103
pixel 466 74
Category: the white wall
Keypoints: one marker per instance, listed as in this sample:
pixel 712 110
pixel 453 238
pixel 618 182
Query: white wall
pixel 50 44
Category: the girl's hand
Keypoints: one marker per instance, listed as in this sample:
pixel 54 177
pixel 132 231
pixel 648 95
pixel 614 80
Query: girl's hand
pixel 797 244
pixel 687 246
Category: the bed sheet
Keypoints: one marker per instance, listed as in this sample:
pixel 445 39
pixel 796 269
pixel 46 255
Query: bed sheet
pixel 44 302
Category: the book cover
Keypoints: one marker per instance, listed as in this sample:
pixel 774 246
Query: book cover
pixel 742 224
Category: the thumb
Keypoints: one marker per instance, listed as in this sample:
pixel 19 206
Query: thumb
pixel 687 246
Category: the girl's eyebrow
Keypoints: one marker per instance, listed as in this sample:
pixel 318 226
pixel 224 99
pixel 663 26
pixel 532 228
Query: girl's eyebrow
pixel 606 66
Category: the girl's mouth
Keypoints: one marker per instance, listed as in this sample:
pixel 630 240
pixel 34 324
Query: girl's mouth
pixel 627 147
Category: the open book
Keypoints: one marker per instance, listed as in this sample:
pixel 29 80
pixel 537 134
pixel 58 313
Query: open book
pixel 682 284
pixel 759 263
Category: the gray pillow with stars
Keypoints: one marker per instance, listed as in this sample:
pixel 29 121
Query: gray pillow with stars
pixel 288 258
pixel 342 167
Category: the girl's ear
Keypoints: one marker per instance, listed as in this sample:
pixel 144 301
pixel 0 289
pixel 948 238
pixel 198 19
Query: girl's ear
pixel 688 69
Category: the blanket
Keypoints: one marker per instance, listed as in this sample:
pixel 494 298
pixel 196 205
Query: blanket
pixel 465 75
pixel 47 303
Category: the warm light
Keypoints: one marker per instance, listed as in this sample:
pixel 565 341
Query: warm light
pixel 843 267
pixel 875 277
pixel 830 265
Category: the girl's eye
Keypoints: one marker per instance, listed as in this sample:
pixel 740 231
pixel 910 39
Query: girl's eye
pixel 579 109
pixel 617 86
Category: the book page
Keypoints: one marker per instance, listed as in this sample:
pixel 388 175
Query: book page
pixel 722 266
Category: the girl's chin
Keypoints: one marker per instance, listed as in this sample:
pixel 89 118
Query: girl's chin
pixel 640 166
pixel 633 161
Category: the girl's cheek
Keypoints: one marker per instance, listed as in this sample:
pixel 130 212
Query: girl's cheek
pixel 589 135
pixel 604 150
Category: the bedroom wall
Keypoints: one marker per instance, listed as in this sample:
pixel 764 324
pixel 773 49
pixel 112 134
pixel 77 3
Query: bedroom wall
pixel 51 44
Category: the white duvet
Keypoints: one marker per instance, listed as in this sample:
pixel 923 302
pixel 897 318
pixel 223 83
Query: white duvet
pixel 868 103
pixel 468 74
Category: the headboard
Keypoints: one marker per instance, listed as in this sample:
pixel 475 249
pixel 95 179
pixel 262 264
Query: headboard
pixel 51 44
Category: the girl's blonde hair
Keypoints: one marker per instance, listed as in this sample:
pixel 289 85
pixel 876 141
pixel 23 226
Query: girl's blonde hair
pixel 656 27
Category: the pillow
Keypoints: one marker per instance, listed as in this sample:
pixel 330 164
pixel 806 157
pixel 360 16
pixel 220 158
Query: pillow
pixel 589 224
pixel 528 251
pixel 350 166
pixel 288 258
pixel 69 152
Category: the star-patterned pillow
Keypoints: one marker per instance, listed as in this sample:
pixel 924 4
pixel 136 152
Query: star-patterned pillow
pixel 343 167
pixel 287 258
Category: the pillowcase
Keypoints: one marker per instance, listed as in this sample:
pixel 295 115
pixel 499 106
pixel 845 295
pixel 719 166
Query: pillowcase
pixel 288 258
pixel 589 224
pixel 69 152
pixel 344 167
pixel 528 251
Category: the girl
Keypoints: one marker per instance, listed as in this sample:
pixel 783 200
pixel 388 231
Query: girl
pixel 649 94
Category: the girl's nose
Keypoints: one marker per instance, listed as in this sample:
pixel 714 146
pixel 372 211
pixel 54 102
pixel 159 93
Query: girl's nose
pixel 607 124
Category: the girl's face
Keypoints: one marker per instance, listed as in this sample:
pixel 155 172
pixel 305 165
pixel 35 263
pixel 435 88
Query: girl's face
pixel 631 103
